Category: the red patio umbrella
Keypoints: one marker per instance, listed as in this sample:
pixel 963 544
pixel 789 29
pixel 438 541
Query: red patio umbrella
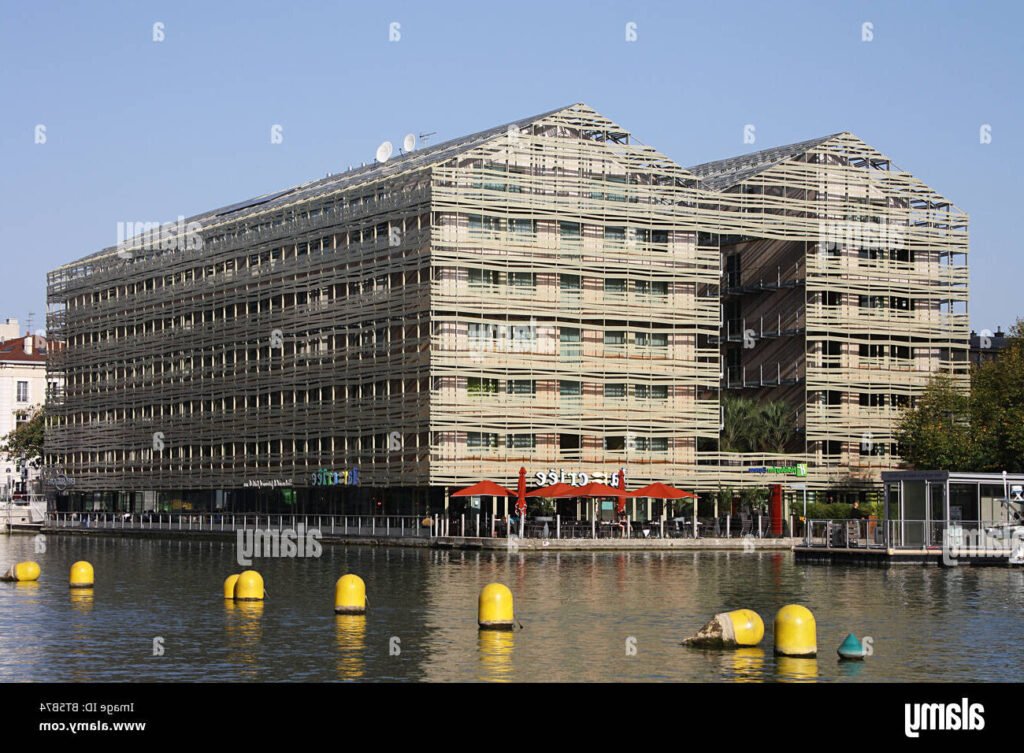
pixel 484 488
pixel 521 493
pixel 593 489
pixel 622 487
pixel 658 490
pixel 551 491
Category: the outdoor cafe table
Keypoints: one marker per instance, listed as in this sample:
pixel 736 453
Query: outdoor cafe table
pixel 686 523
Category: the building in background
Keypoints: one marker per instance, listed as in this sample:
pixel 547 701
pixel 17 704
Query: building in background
pixel 23 390
pixel 987 345
pixel 547 294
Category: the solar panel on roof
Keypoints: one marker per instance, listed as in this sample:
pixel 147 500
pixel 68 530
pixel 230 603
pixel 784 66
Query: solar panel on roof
pixel 252 202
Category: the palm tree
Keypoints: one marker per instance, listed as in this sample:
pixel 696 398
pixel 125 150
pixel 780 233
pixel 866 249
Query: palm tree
pixel 739 433
pixel 776 425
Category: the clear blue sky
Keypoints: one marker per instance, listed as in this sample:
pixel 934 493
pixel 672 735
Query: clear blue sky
pixel 138 130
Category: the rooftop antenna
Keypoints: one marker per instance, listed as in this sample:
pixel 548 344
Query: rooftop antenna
pixel 409 142
pixel 28 328
pixel 425 136
pixel 384 152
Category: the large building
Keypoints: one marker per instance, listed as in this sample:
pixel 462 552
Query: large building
pixel 547 294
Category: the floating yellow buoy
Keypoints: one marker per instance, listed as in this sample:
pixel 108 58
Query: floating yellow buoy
pixel 229 586
pixel 741 627
pixel 496 611
pixel 23 572
pixel 82 575
pixel 350 595
pixel 795 632
pixel 249 586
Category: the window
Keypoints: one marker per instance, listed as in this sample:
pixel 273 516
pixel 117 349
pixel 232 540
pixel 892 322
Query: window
pixel 871 400
pixel 615 390
pixel 831 298
pixel 659 392
pixel 647 287
pixel 651 339
pixel 871 350
pixel 569 283
pixel 615 443
pixel 477 386
pixel 660 237
pixel 22 392
pixel 659 444
pixel 901 351
pixel 615 285
pixel 872 301
pixel 522 227
pixel 569 389
pixel 484 223
pixel 481 440
pixel 901 304
pixel 901 401
pixel 615 234
pixel 521 387
pixel 570 230
pixel 522 280
pixel 568 335
pixel 569 442
pixel 520 441
pixel 615 337
pixel 484 278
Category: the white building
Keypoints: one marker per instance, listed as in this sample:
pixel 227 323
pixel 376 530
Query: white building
pixel 23 389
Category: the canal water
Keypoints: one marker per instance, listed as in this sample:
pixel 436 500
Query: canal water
pixel 157 614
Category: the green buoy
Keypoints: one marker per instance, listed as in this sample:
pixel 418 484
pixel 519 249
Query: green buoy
pixel 851 649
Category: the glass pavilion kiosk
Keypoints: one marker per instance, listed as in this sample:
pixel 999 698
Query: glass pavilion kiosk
pixel 922 508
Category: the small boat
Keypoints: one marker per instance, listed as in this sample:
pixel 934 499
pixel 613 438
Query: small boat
pixel 26 514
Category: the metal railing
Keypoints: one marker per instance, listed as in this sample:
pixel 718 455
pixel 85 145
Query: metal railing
pixel 869 533
pixel 393 526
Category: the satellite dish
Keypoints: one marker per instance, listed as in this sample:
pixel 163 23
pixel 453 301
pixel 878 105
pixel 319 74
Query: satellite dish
pixel 409 142
pixel 384 151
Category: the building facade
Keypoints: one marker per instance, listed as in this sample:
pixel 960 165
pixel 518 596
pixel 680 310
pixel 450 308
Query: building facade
pixel 23 390
pixel 545 295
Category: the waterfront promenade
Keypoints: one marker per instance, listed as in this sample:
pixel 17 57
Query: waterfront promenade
pixel 411 531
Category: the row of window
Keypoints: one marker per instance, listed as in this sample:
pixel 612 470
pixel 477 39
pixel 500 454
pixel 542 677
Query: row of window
pixel 484 440
pixel 568 231
pixel 482 386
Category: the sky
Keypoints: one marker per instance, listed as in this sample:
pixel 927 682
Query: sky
pixel 143 111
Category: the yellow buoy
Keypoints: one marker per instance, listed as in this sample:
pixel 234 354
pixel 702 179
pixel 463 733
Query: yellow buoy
pixel 796 633
pixel 747 626
pixel 350 595
pixel 735 629
pixel 23 572
pixel 82 575
pixel 249 586
pixel 229 586
pixel 496 611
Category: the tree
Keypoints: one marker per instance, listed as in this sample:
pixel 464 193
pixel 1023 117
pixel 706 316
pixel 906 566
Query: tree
pixel 25 442
pixel 776 425
pixel 982 430
pixel 756 427
pixel 997 408
pixel 936 434
pixel 738 418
